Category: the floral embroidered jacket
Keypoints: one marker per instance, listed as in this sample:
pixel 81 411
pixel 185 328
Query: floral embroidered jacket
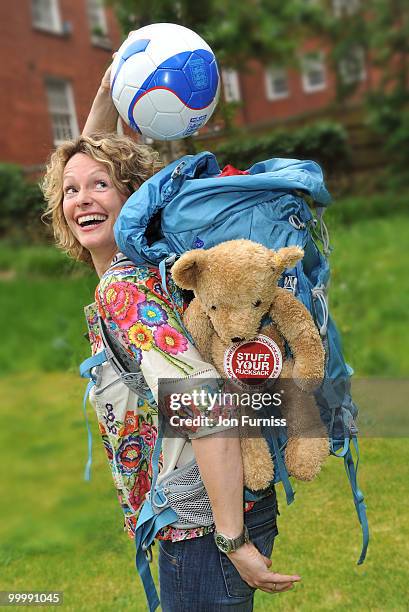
pixel 131 301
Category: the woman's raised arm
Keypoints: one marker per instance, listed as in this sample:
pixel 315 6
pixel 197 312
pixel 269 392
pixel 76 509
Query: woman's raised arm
pixel 103 116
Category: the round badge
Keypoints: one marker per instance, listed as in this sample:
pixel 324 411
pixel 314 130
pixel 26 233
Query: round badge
pixel 253 362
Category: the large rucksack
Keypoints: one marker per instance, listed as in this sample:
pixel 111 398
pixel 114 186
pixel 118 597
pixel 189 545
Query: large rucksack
pixel 199 208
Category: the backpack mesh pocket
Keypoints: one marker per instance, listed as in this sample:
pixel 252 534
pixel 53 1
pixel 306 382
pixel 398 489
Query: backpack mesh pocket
pixel 188 497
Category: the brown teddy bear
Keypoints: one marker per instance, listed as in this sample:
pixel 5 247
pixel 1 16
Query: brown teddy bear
pixel 235 285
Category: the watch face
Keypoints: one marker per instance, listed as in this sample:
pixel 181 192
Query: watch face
pixel 222 543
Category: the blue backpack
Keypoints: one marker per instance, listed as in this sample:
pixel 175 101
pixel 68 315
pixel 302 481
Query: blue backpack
pixel 199 209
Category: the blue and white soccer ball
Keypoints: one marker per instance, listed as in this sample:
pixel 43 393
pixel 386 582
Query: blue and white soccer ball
pixel 165 82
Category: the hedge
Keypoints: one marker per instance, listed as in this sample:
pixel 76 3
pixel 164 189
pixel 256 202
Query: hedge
pixel 323 142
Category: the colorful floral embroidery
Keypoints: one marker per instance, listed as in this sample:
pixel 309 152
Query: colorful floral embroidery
pixel 148 433
pixel 170 340
pixel 155 287
pixel 94 334
pixel 142 486
pixel 108 448
pixel 109 419
pixel 132 302
pixel 144 314
pixel 130 425
pixel 140 336
pixel 121 300
pixel 151 313
pixel 137 354
pixel 129 454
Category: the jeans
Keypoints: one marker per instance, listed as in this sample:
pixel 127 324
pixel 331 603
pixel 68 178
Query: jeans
pixel 195 576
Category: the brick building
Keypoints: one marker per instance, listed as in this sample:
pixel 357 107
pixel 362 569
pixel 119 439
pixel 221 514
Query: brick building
pixel 54 53
pixel 275 93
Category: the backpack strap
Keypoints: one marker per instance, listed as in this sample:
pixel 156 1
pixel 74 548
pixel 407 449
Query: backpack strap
pixel 153 516
pixel 166 263
pixel 272 440
pixel 127 368
pixel 351 469
pixel 86 371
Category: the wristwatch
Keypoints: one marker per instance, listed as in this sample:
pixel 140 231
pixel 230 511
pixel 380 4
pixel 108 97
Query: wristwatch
pixel 228 545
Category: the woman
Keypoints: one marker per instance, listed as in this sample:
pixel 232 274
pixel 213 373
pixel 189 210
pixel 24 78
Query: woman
pixel 86 184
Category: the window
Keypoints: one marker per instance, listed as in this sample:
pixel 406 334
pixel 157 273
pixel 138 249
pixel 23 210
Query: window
pixel 97 22
pixel 46 15
pixel 352 66
pixel 62 110
pixel 345 7
pixel 276 84
pixel 231 85
pixel 313 73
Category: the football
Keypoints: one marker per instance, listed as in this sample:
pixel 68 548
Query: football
pixel 165 81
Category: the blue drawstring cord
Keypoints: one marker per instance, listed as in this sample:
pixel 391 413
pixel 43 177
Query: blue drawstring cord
pixel 86 368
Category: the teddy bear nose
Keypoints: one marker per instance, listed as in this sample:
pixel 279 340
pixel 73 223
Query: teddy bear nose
pixel 237 339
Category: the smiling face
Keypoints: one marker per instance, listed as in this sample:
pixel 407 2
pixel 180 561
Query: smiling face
pixel 91 205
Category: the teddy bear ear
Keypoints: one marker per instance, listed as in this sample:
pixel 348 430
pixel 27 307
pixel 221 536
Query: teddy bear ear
pixel 187 269
pixel 286 257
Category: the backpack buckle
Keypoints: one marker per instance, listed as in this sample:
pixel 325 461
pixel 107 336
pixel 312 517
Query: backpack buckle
pixel 178 170
pixel 290 283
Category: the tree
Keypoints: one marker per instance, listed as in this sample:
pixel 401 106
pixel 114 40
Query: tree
pixel 269 30
pixel 381 30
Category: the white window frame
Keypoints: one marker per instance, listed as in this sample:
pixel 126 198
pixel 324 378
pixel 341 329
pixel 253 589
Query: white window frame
pixel 231 85
pixel 308 63
pixel 97 19
pixel 345 7
pixel 357 53
pixel 270 75
pixel 54 24
pixel 69 111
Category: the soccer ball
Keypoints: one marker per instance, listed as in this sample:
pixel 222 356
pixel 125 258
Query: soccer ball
pixel 165 82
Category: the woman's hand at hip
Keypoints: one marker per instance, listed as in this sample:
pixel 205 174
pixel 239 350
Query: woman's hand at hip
pixel 253 569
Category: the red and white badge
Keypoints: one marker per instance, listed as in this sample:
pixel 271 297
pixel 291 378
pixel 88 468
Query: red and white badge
pixel 253 362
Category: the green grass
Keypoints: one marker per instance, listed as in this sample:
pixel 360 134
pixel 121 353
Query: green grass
pixel 368 300
pixel 368 294
pixel 59 533
pixel 44 322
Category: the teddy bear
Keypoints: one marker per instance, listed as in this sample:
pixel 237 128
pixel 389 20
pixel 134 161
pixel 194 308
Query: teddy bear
pixel 235 287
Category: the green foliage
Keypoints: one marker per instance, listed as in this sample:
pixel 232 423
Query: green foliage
pixel 39 261
pixel 351 210
pixel 270 30
pixel 273 29
pixel 21 201
pixel 41 299
pixel 44 323
pixel 389 117
pixel 380 30
pixel 324 142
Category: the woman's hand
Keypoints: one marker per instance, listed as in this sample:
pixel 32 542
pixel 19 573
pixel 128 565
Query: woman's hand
pixel 103 116
pixel 253 568
pixel 106 79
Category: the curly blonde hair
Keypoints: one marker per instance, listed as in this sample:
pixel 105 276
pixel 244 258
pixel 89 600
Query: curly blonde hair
pixel 129 165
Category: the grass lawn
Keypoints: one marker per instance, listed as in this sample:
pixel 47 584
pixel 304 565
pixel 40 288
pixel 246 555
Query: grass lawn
pixel 59 533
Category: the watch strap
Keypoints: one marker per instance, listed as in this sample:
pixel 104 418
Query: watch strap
pixel 228 545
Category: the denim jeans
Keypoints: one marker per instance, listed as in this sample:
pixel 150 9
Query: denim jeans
pixel 195 576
